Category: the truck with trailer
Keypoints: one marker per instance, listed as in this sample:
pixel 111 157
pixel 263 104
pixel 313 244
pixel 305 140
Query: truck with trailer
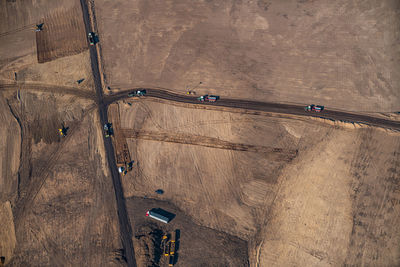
pixel 315 108
pixel 208 98
pixel 157 216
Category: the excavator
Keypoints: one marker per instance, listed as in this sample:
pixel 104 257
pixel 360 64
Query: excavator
pixel 63 131
pixel 39 27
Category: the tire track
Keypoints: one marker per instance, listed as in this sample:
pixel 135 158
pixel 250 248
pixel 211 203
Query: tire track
pixel 26 27
pixel 56 89
pixel 197 140
pixel 39 176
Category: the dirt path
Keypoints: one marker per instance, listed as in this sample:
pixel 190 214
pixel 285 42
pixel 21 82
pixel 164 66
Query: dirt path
pixel 197 140
pixel 57 89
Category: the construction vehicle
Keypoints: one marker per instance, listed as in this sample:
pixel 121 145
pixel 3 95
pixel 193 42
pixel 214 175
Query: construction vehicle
pixel 125 169
pixel 63 130
pixel 208 98
pixel 108 129
pixel 159 191
pixel 137 93
pixel 314 108
pixel 171 260
pixel 190 92
pixel 166 246
pixel 93 38
pixel 39 27
pixel 164 241
pixel 172 241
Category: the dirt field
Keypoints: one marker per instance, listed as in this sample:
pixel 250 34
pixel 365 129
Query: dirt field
pixel 338 53
pixel 63 35
pixel 198 245
pixel 290 212
pixel 246 189
pixel 56 205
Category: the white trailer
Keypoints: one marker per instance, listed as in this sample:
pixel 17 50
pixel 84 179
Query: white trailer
pixel 157 216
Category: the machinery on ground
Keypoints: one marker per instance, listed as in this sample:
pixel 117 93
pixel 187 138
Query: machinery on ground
pixel 314 108
pixel 125 169
pixel 208 98
pixel 137 93
pixel 168 247
pixel 159 191
pixel 108 130
pixel 190 92
pixel 39 27
pixel 63 131
pixel 165 244
pixel 93 38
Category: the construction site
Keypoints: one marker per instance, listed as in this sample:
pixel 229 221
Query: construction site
pixel 207 133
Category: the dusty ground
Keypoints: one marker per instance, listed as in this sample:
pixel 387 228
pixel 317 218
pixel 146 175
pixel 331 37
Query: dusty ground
pixel 198 245
pixel 342 54
pixel 335 203
pixel 57 208
pixel 246 189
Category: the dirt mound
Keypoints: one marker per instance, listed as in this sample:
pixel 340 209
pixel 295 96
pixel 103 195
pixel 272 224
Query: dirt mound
pixel 147 243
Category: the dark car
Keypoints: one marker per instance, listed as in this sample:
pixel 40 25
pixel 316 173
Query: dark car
pixel 93 38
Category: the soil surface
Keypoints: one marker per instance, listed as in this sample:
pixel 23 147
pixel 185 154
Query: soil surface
pixel 341 54
pixel 245 187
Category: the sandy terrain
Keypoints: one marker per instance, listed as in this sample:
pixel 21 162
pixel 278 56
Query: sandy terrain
pixel 246 189
pixel 56 205
pixel 335 203
pixel 339 53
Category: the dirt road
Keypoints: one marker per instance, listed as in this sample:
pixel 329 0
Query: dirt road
pixel 124 224
pixel 47 88
pixel 265 106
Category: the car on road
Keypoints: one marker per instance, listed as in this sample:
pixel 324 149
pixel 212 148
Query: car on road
pixel 108 130
pixel 137 93
pixel 93 39
pixel 315 108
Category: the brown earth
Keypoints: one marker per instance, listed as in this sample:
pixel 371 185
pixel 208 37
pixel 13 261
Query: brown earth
pixel 197 245
pixel 55 199
pixel 306 211
pixel 63 35
pixel 247 189
pixel 341 54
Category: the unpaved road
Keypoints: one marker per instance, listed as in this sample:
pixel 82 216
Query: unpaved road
pixel 124 224
pixel 266 107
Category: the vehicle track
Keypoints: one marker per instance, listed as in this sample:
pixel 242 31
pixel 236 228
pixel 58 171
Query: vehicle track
pixel 262 106
pixel 57 89
pixel 39 176
pixel 198 140
pixel 26 27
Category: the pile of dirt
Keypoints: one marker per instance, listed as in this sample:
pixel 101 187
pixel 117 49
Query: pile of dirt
pixel 147 243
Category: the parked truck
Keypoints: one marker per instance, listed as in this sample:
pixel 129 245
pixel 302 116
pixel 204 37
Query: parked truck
pixel 157 216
